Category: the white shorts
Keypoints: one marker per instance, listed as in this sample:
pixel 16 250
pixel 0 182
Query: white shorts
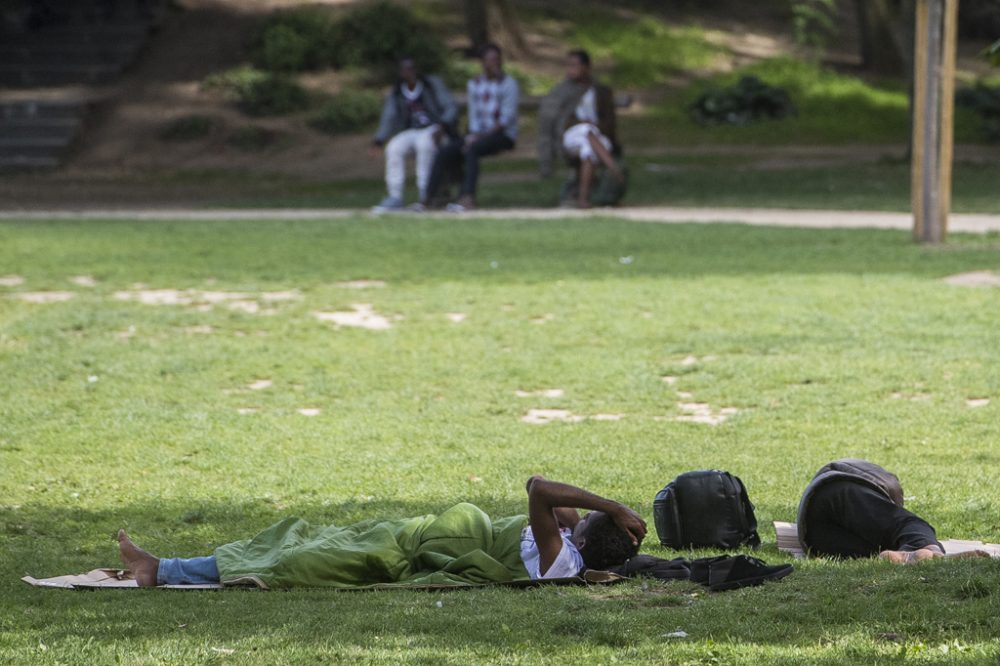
pixel 576 141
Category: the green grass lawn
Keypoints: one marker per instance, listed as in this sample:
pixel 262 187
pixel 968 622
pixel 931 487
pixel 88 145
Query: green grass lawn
pixel 829 343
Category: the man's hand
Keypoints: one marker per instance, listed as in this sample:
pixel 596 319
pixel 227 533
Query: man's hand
pixel 376 150
pixel 469 140
pixel 630 522
pixel 545 496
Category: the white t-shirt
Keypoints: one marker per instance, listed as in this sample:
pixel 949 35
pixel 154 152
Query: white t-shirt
pixel 568 563
pixel 586 110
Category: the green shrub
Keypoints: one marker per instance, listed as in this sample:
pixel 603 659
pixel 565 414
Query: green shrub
pixel 748 101
pixel 283 50
pixel 376 35
pixel 295 40
pixel 348 111
pixel 993 53
pixel 985 101
pixel 372 37
pixel 260 93
pixel 188 128
pixel 253 139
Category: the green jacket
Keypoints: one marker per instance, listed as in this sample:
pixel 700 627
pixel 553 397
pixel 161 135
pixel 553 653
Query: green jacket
pixel 461 546
pixel 556 114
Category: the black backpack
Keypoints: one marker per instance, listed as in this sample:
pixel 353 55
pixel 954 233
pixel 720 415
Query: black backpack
pixel 705 509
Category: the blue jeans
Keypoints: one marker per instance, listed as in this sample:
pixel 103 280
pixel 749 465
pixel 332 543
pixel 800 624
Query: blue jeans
pixel 192 571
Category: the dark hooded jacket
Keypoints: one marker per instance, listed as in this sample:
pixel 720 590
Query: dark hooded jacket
pixel 850 469
pixel 438 101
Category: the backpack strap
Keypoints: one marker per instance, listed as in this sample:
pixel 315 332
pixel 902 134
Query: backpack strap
pixel 747 516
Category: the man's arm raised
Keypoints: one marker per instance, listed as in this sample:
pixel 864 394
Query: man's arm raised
pixel 545 497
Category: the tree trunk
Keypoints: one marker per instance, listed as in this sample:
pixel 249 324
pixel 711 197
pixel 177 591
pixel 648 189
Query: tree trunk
pixel 511 26
pixel 477 23
pixel 886 35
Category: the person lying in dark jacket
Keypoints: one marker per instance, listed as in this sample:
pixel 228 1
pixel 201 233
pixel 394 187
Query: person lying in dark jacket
pixel 853 508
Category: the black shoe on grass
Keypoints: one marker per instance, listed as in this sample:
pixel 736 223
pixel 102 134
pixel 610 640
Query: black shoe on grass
pixel 729 573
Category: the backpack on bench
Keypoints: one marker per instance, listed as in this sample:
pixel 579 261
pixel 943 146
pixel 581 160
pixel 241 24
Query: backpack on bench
pixel 705 509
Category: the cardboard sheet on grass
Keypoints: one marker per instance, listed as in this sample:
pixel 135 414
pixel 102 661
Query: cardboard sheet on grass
pixel 123 580
pixel 788 542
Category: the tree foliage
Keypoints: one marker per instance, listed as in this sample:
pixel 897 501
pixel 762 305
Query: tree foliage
pixel 814 22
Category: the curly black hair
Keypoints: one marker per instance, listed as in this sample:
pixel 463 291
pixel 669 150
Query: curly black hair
pixel 605 544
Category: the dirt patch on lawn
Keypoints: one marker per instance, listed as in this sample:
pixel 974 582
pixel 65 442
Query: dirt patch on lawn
pixel 44 296
pixel 83 281
pixel 546 416
pixel 204 301
pixel 701 412
pixel 974 279
pixel 362 315
pixel 543 393
pixel 11 280
pixel 361 284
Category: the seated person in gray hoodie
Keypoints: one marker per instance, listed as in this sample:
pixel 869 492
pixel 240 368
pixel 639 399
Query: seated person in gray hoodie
pixel 418 112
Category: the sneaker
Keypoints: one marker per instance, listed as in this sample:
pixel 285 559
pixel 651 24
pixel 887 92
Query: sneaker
pixel 730 573
pixel 416 207
pixel 465 203
pixel 388 205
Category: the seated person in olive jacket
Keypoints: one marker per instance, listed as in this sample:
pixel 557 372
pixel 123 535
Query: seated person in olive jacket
pixel 578 117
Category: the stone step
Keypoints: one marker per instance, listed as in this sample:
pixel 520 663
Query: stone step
pixel 21 162
pixel 18 143
pixel 55 54
pixel 76 32
pixel 30 151
pixel 42 75
pixel 28 130
pixel 42 109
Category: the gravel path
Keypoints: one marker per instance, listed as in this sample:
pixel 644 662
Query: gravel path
pixel 818 219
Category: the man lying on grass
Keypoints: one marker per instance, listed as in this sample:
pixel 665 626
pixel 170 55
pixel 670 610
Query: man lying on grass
pixel 462 545
pixel 853 508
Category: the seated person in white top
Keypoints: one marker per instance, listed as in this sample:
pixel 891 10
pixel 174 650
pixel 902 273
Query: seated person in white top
pixel 559 543
pixel 584 138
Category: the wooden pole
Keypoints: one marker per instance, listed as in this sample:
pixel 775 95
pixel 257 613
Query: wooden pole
pixel 918 167
pixel 949 46
pixel 933 116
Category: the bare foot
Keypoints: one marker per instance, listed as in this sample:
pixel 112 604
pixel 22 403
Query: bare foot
pixel 142 565
pixel 910 557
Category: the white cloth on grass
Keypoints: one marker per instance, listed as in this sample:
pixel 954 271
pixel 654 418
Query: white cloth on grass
pixel 568 563
pixel 576 141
